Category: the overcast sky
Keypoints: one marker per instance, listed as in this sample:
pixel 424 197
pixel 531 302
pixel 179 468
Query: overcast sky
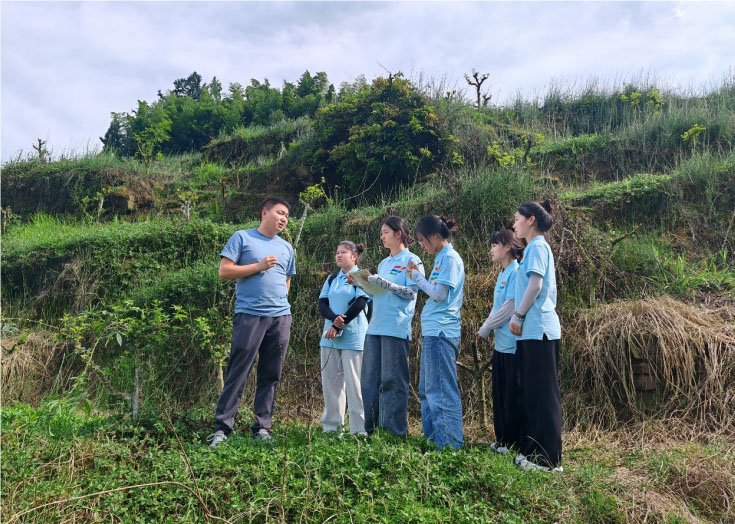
pixel 67 65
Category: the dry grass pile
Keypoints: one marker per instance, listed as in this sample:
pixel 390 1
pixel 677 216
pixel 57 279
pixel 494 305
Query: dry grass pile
pixel 31 363
pixel 656 356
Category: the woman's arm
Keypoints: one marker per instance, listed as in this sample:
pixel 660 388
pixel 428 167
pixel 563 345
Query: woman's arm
pixel 535 283
pixel 325 310
pixel 355 309
pixel 497 319
pixel 437 291
pixel 402 291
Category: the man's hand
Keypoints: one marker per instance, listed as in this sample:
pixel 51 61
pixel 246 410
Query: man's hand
pixel 478 338
pixel 351 279
pixel 268 262
pixel 339 322
pixel 330 334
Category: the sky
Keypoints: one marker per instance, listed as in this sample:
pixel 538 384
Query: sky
pixel 67 65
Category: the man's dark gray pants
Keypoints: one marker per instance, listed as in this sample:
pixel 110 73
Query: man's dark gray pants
pixel 251 336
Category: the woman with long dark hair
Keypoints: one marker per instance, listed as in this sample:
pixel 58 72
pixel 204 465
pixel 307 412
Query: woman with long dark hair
pixel 537 327
pixel 385 371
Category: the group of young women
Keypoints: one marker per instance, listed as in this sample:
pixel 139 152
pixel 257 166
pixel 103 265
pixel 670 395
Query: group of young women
pixel 365 342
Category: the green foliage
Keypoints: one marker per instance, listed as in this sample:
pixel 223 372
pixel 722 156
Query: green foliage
pixel 53 266
pixel 378 139
pixel 304 474
pixel 191 115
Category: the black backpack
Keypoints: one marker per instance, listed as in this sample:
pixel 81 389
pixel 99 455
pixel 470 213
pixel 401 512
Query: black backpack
pixel 369 306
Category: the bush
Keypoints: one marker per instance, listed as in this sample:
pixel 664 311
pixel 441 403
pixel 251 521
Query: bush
pixel 379 139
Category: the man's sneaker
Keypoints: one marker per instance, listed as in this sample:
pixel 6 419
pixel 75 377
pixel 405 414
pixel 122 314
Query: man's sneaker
pixel 558 469
pixel 262 434
pixel 216 438
pixel 499 449
pixel 525 464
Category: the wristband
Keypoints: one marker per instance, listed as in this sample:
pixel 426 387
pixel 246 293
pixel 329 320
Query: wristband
pixel 519 316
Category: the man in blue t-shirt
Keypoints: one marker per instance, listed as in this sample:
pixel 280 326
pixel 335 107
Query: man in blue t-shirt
pixel 262 264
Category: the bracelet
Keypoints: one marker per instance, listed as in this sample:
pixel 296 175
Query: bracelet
pixel 519 316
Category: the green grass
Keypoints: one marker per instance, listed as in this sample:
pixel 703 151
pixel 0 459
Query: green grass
pixel 49 455
pixel 98 465
pixel 106 260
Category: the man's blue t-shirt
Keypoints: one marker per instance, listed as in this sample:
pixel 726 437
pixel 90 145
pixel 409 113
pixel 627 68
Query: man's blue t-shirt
pixel 444 316
pixel 505 288
pixel 541 318
pixel 340 293
pixel 263 294
pixel 392 314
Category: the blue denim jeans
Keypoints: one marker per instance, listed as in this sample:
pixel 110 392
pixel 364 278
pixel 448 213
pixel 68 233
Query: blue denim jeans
pixel 384 383
pixel 441 405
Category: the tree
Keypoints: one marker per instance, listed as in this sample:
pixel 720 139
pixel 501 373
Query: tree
pixel 190 86
pixel 382 137
pixel 477 80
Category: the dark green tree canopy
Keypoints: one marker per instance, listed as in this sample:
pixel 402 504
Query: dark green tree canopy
pixel 379 137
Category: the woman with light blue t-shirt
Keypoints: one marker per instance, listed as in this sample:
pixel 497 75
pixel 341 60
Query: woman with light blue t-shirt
pixel 505 250
pixel 385 373
pixel 441 405
pixel 537 327
pixel 344 308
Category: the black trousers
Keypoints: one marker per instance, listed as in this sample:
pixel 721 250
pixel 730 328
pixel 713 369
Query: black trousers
pixel 538 369
pixel 507 405
pixel 252 335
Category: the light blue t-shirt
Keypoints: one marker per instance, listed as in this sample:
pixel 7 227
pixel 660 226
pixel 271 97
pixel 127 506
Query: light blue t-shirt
pixel 443 316
pixel 340 293
pixel 541 318
pixel 505 288
pixel 392 314
pixel 263 294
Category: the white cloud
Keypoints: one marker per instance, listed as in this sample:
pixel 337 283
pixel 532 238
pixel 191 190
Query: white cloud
pixel 66 66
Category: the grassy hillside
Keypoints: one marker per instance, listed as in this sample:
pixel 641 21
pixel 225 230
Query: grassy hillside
pixel 103 275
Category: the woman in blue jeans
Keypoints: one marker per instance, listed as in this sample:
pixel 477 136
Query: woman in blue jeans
pixel 385 373
pixel 441 405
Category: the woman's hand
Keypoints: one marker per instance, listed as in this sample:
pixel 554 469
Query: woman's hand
pixel 478 338
pixel 339 322
pixel 351 279
pixel 412 266
pixel 330 334
pixel 516 326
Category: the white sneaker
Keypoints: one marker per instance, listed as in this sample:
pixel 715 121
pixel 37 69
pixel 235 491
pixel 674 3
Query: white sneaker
pixel 262 434
pixel 525 464
pixel 558 469
pixel 499 449
pixel 216 438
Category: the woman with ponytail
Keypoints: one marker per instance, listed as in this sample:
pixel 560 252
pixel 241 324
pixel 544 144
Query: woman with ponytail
pixel 441 405
pixel 385 372
pixel 344 308
pixel 505 250
pixel 536 325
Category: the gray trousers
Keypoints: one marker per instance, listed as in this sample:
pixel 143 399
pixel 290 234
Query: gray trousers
pixel 266 337
pixel 341 370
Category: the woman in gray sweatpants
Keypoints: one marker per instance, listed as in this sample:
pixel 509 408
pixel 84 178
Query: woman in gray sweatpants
pixel 344 308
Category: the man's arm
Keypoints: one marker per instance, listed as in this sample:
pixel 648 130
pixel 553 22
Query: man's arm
pixel 228 270
pixel 288 283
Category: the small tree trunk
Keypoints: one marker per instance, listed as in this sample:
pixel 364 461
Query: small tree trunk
pixel 99 207
pixel 136 392
pixel 479 373
pixel 220 377
pixel 301 225
pixel 187 209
